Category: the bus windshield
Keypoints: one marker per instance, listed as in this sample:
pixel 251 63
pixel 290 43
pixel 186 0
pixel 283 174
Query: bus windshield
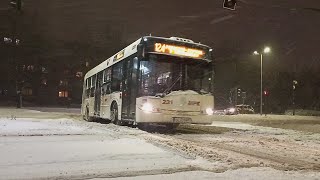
pixel 162 74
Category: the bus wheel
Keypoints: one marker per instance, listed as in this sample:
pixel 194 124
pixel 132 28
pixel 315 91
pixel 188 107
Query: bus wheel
pixel 172 126
pixel 142 126
pixel 134 125
pixel 114 114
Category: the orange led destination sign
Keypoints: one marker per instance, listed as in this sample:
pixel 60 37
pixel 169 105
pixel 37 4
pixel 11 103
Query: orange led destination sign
pixel 178 50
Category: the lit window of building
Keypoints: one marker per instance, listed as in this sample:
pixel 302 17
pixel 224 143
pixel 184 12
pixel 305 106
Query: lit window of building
pixel 63 83
pixel 44 81
pixel 26 91
pixel 66 71
pixel 30 67
pixel 63 94
pixel 44 70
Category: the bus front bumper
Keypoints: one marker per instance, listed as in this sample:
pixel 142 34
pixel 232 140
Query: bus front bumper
pixel 155 117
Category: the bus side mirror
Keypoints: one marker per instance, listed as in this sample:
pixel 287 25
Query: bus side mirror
pixel 140 51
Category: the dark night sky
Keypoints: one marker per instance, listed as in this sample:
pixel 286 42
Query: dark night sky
pixel 286 26
pixel 67 31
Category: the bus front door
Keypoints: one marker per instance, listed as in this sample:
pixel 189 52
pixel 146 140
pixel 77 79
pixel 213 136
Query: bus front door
pixel 129 88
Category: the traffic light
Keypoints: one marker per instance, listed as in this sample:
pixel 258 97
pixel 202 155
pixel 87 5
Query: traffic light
pixel 230 4
pixel 266 93
pixel 294 83
pixel 239 92
pixel 16 4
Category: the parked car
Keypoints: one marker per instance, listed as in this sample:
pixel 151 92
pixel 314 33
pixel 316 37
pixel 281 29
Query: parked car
pixel 230 111
pixel 218 112
pixel 244 109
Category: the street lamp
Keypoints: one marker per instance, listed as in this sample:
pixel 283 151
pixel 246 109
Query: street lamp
pixel 266 50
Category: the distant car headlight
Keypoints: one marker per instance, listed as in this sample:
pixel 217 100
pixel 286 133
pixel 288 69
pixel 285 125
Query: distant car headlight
pixel 209 111
pixel 147 107
pixel 232 110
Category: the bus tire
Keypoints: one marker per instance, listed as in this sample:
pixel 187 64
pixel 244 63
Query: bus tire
pixel 134 125
pixel 142 126
pixel 172 126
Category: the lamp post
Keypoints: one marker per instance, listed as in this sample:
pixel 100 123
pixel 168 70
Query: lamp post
pixel 266 50
pixel 294 83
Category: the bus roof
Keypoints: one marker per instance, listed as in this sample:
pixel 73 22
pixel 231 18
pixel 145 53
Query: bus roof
pixel 131 49
pixel 177 39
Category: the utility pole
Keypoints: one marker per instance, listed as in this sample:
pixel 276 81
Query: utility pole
pixel 294 83
pixel 261 84
pixel 266 101
pixel 244 96
pixel 17 5
pixel 266 50
pixel 235 97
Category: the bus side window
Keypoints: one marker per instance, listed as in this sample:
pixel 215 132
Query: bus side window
pixel 107 75
pixel 106 88
pixel 116 77
pixel 108 91
pixel 93 84
pixel 88 87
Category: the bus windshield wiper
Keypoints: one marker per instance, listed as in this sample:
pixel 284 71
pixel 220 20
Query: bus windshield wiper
pixel 174 83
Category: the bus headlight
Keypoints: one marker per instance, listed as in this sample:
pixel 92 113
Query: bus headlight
pixel 209 111
pixel 147 107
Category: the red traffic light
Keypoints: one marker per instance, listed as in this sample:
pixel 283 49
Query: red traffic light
pixel 266 93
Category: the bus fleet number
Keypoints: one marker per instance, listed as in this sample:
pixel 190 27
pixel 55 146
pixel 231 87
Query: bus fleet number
pixel 167 102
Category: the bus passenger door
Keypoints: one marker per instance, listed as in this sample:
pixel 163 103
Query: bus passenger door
pixel 97 95
pixel 129 88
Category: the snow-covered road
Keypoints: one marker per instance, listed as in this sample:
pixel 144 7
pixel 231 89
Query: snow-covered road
pixel 62 148
pixel 56 146
pixel 83 157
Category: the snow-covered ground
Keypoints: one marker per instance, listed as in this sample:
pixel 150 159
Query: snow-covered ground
pixel 244 173
pixel 258 117
pixel 82 157
pixel 56 146
pixel 62 148
pixel 298 123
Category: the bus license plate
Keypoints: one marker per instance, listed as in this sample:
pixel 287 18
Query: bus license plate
pixel 182 120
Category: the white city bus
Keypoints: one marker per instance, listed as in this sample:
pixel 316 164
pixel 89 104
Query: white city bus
pixel 156 80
